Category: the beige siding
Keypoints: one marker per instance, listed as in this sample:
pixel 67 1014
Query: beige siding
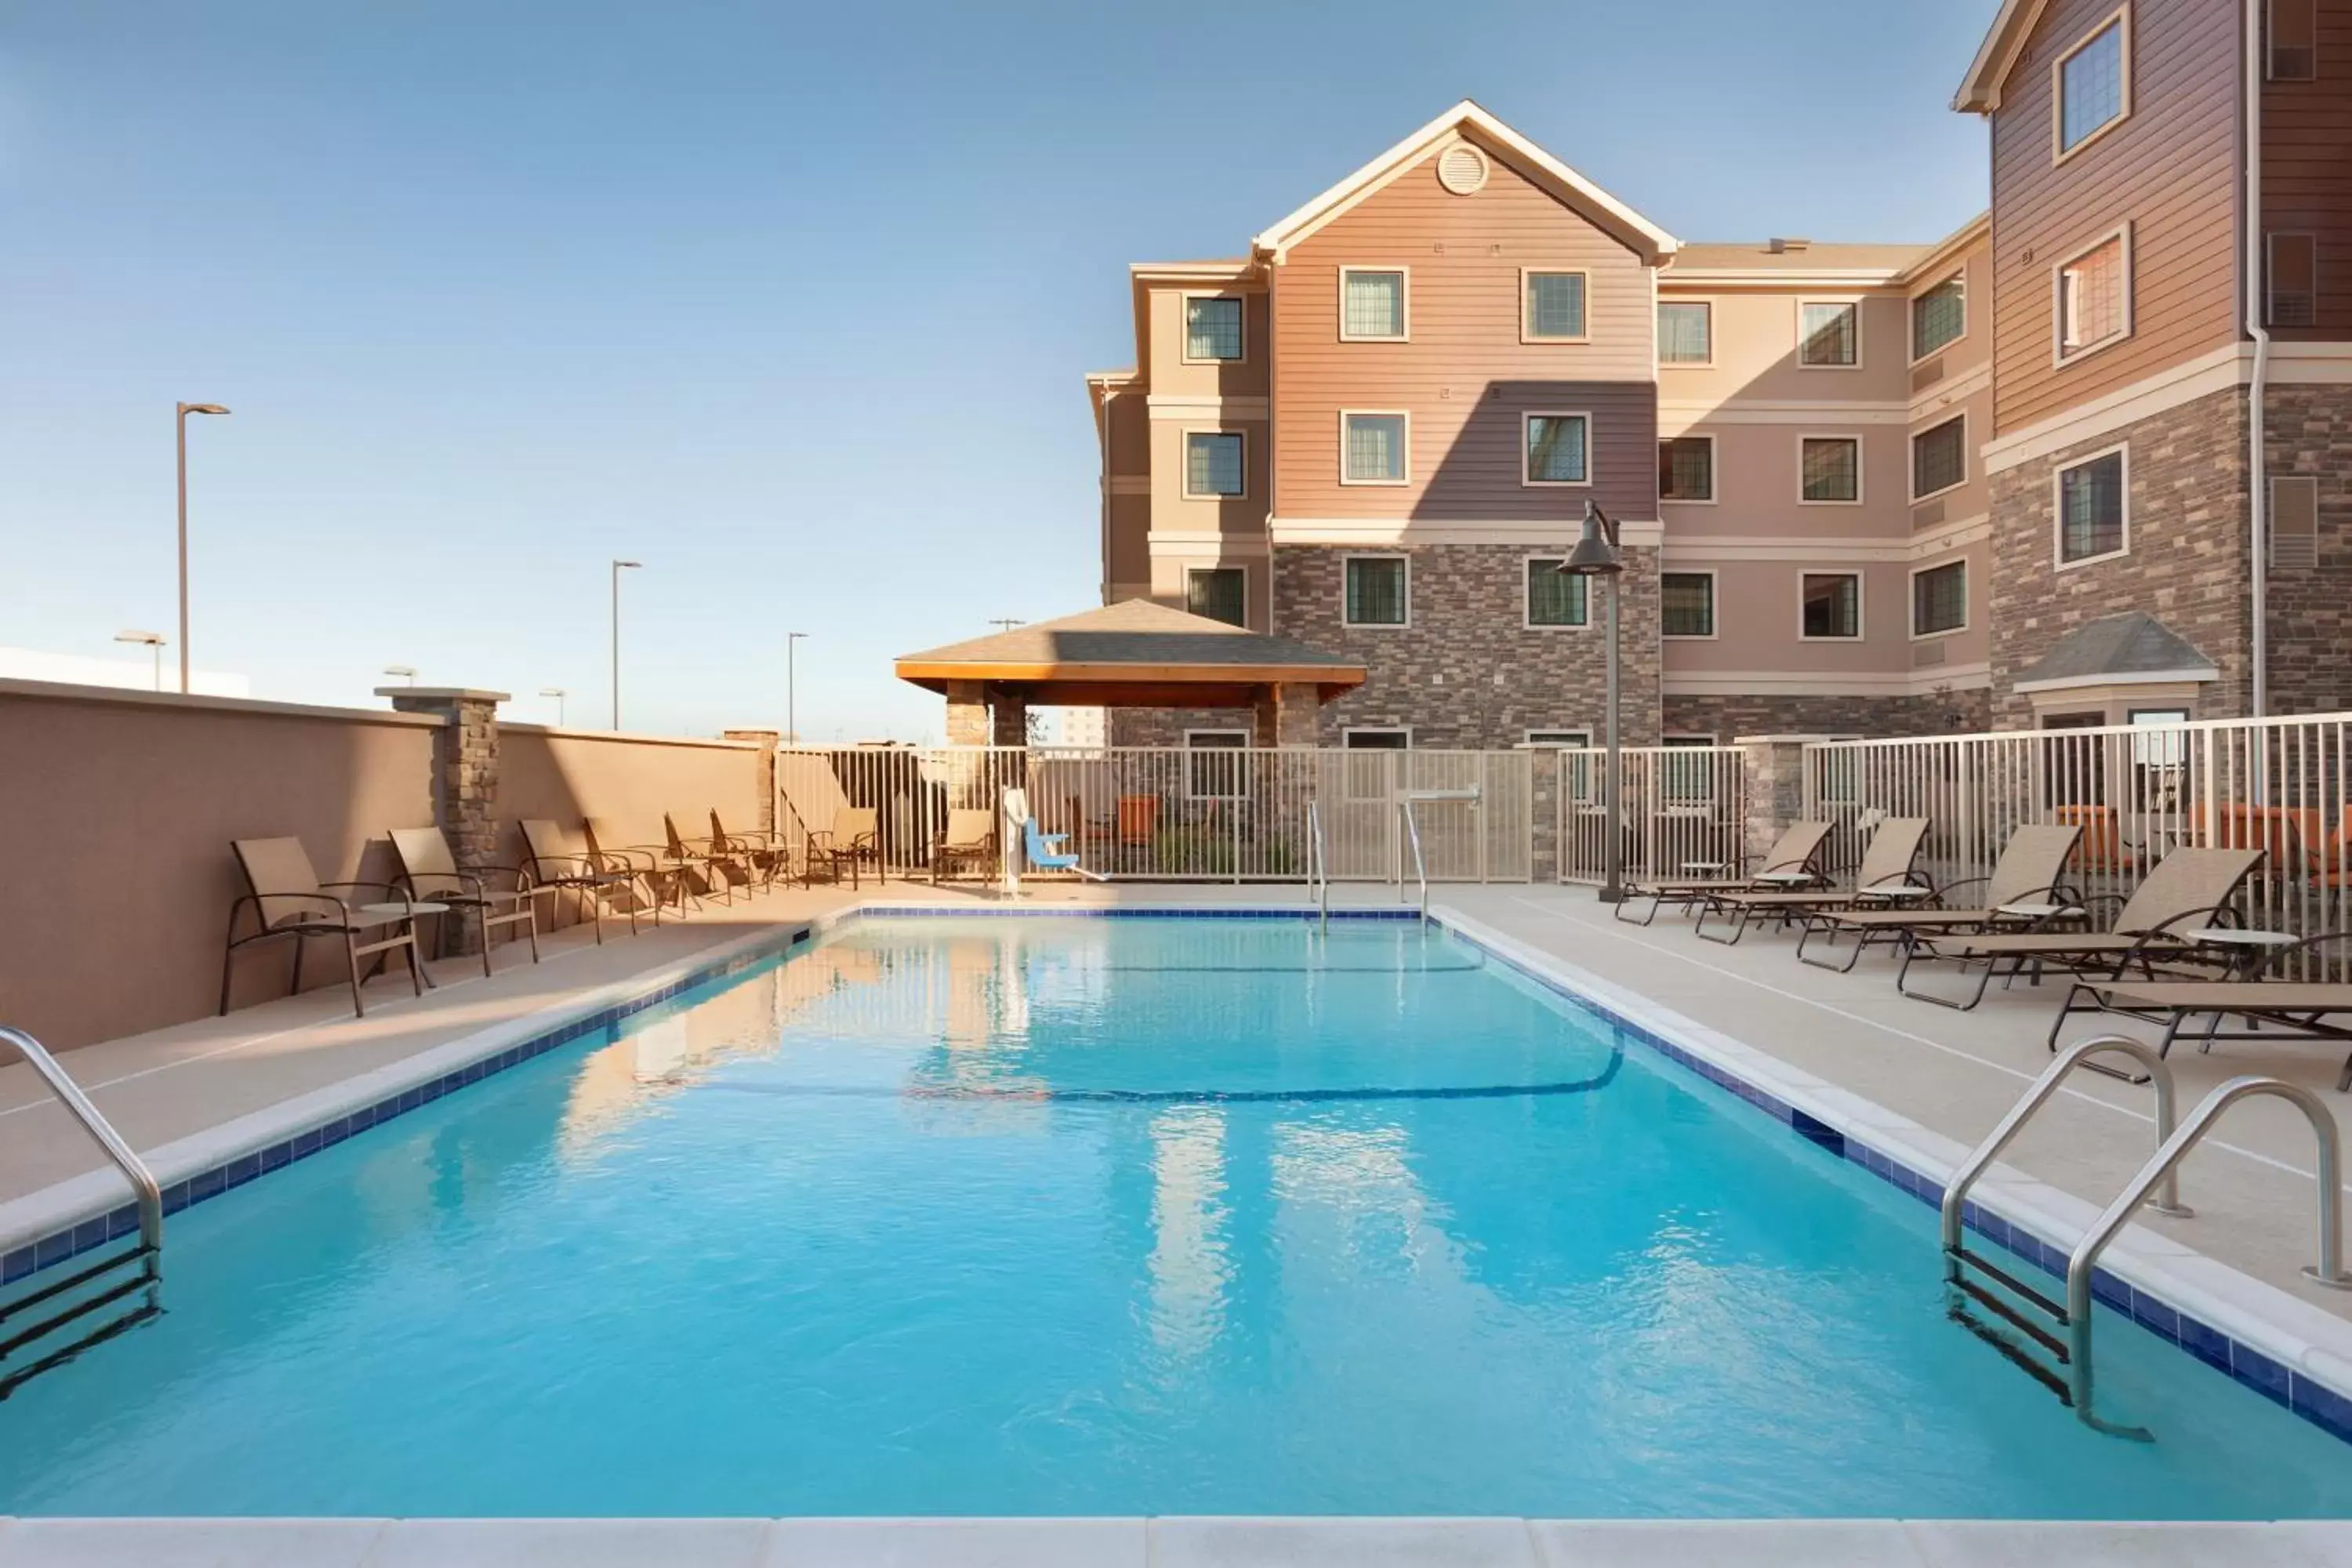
pixel 2168 170
pixel 1173 511
pixel 1756 484
pixel 1758 626
pixel 1755 333
pixel 2307 168
pixel 1170 376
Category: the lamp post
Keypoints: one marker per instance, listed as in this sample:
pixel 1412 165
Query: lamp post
pixel 402 672
pixel 618 567
pixel 182 419
pixel 150 640
pixel 792 690
pixel 1597 555
pixel 558 694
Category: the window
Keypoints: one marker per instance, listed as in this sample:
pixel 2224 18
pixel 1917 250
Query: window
pixel 1939 599
pixel 1573 739
pixel 1555 307
pixel 1939 457
pixel 1829 335
pixel 2293 40
pixel 1373 777
pixel 1220 593
pixel 1687 468
pixel 1832 467
pixel 1555 598
pixel 2094 296
pixel 1686 332
pixel 2294 281
pixel 1686 604
pixel 2093 512
pixel 2094 84
pixel 1211 771
pixel 1213 463
pixel 1375 449
pixel 1212 328
pixel 1377 591
pixel 1556 448
pixel 1691 779
pixel 1939 317
pixel 1377 740
pixel 1832 605
pixel 1372 305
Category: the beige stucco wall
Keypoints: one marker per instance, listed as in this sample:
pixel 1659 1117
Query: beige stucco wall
pixel 1172 377
pixel 1755 342
pixel 566 776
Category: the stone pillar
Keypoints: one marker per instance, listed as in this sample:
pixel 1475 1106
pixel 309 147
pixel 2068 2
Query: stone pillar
pixel 763 771
pixel 1284 715
pixel 1009 720
pixel 1544 770
pixel 1774 766
pixel 967 713
pixel 465 784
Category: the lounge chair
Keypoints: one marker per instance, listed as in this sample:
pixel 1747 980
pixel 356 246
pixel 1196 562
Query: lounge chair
pixel 2023 890
pixel 765 848
pixel 853 839
pixel 289 900
pixel 554 858
pixel 2187 889
pixel 430 874
pixel 1788 864
pixel 720 866
pixel 2274 1010
pixel 968 839
pixel 650 875
pixel 1884 877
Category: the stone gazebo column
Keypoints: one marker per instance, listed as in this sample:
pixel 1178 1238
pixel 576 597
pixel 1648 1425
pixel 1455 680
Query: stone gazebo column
pixel 967 713
pixel 1285 715
pixel 465 782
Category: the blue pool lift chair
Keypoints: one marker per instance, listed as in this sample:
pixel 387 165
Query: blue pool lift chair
pixel 1042 850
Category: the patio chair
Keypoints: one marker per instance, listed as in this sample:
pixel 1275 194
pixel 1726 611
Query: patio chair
pixel 1789 863
pixel 2023 890
pixel 718 864
pixel 765 847
pixel 2103 848
pixel 650 875
pixel 2187 889
pixel 430 874
pixel 1884 876
pixel 289 900
pixel 968 839
pixel 554 858
pixel 2273 1010
pixel 853 839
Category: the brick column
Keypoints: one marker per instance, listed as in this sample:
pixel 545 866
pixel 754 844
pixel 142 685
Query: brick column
pixel 465 782
pixel 764 770
pixel 967 713
pixel 1543 789
pixel 1008 721
pixel 1775 770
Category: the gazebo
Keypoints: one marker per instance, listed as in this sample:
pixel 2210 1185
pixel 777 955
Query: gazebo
pixel 1134 654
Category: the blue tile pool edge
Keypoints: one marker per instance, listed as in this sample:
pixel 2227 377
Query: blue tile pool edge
pixel 2292 1389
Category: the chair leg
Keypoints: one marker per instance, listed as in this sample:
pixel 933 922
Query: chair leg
pixel 416 966
pixel 352 956
pixel 486 939
pixel 531 925
pixel 228 952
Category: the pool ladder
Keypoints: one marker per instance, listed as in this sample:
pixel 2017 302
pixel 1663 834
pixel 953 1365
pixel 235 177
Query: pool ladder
pixel 1318 866
pixel 85 1300
pixel 1970 1278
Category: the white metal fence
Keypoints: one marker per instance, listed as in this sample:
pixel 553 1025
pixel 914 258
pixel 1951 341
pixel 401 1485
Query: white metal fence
pixel 1680 806
pixel 2282 787
pixel 1204 814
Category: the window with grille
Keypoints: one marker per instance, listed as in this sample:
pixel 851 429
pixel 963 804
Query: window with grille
pixel 1687 468
pixel 1939 599
pixel 1376 591
pixel 2294 281
pixel 1939 317
pixel 1220 593
pixel 1556 446
pixel 1829 336
pixel 1555 305
pixel 1213 328
pixel 1939 457
pixel 1832 604
pixel 2091 509
pixel 2092 91
pixel 1685 332
pixel 1372 304
pixel 1832 468
pixel 1686 604
pixel 1555 598
pixel 1215 764
pixel 1213 463
pixel 2094 297
pixel 2293 40
pixel 1375 449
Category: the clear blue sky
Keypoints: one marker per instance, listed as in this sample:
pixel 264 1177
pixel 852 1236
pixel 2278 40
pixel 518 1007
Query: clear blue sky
pixel 790 302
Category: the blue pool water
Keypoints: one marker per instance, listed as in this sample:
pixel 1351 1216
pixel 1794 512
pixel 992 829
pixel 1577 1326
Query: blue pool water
pixel 1050 1216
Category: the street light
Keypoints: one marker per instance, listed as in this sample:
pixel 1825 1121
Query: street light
pixel 402 671
pixel 618 567
pixel 559 693
pixel 153 641
pixel 182 419
pixel 1596 556
pixel 792 691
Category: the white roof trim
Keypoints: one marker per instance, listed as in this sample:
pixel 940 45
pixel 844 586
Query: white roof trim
pixel 2184 676
pixel 1627 226
pixel 1981 89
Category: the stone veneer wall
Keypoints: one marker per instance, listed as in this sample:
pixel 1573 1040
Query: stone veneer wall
pixel 2309 431
pixel 2187 561
pixel 1729 717
pixel 1467 672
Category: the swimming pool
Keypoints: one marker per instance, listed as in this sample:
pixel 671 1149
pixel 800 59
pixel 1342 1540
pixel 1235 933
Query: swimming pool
pixel 1109 1216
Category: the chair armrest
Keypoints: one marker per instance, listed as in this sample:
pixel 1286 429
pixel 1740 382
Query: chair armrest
pixel 393 889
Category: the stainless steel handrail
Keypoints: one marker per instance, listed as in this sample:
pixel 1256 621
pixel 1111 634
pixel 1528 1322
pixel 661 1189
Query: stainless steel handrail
pixel 2328 1270
pixel 102 1132
pixel 1318 866
pixel 1420 867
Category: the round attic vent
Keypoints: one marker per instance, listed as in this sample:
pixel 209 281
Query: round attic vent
pixel 1462 169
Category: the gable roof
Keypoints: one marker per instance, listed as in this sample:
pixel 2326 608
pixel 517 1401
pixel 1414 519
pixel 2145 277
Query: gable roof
pixel 1132 642
pixel 1564 184
pixel 1981 89
pixel 2134 646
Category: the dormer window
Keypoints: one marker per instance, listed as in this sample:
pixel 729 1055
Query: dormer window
pixel 2094 84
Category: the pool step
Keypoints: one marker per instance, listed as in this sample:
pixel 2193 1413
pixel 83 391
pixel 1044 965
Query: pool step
pixel 92 1319
pixel 2018 1312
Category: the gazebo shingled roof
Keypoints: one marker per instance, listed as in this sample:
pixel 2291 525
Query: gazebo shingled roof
pixel 1134 654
